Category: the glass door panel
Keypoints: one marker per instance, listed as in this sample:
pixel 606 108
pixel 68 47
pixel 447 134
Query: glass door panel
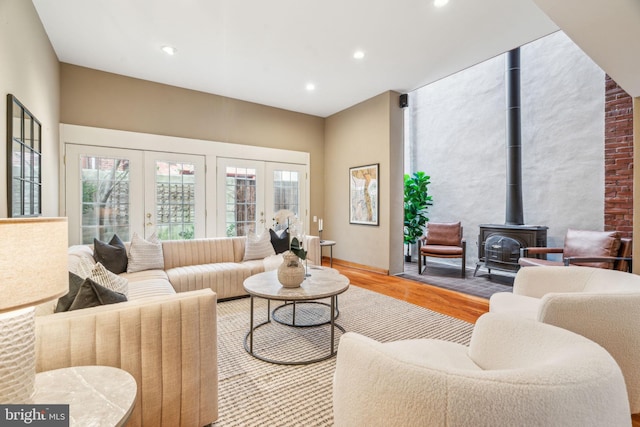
pixel 240 197
pixel 105 197
pixel 285 189
pixel 250 193
pixel 101 185
pixel 175 192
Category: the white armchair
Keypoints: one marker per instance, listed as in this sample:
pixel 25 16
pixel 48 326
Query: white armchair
pixel 602 305
pixel 516 371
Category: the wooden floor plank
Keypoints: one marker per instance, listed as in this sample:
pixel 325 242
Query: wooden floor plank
pixel 454 304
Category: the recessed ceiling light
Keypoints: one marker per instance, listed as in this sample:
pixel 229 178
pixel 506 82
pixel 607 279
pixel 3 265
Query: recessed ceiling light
pixel 440 3
pixel 358 54
pixel 311 87
pixel 169 50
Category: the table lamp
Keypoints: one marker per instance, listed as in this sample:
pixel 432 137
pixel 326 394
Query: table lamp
pixel 33 270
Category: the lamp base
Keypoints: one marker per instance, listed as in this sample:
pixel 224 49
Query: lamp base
pixel 17 356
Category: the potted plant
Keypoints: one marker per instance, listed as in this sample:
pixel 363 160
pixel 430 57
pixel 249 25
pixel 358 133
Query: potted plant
pixel 416 202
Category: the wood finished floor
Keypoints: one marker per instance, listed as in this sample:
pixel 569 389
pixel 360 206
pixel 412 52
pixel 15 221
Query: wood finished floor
pixel 454 304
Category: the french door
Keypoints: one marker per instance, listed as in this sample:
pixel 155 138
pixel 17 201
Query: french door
pixel 111 190
pixel 250 192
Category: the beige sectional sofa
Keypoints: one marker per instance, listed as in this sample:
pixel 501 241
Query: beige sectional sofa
pixel 165 335
pixel 218 264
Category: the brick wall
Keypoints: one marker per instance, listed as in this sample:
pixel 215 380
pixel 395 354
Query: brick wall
pixel 618 153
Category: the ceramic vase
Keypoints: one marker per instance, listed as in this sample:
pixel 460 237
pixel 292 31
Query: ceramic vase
pixel 291 271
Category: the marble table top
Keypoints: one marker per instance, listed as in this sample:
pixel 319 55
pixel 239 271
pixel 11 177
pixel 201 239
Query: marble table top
pixel 323 283
pixel 96 395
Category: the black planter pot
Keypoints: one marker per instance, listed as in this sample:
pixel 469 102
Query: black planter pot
pixel 407 258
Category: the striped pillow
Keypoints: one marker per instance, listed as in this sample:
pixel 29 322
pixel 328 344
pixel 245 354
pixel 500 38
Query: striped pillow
pixel 258 247
pixel 84 267
pixel 109 280
pixel 145 254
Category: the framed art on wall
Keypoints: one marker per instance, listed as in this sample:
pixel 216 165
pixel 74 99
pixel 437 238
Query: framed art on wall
pixel 363 194
pixel 24 159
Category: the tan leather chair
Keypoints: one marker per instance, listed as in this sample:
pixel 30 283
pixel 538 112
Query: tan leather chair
pixel 600 249
pixel 442 240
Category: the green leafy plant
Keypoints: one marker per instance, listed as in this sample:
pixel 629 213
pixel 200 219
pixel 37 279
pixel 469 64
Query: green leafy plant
pixel 416 203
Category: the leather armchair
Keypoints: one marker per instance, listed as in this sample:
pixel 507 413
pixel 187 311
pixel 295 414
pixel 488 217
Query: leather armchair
pixel 600 249
pixel 442 240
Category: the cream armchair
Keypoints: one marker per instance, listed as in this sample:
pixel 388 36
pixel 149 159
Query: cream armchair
pixel 168 343
pixel 516 371
pixel 602 305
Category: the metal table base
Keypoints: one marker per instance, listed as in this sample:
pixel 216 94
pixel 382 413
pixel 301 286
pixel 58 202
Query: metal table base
pixel 333 314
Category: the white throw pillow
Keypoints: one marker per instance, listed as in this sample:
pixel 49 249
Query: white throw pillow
pixel 258 247
pixel 84 267
pixel 145 254
pixel 109 280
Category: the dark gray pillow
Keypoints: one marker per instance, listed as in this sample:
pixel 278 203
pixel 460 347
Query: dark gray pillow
pixel 65 302
pixel 280 242
pixel 92 294
pixel 112 255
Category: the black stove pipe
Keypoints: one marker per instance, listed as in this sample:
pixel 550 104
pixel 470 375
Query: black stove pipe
pixel 514 209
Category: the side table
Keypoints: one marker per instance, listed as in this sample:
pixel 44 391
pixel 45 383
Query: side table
pixel 331 244
pixel 96 395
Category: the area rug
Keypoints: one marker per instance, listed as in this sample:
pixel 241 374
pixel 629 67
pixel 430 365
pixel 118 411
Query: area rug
pixel 257 393
pixel 481 285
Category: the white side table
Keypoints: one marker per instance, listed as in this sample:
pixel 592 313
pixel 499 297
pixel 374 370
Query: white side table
pixel 331 244
pixel 96 395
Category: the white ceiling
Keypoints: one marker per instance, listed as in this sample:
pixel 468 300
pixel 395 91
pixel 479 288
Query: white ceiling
pixel 266 52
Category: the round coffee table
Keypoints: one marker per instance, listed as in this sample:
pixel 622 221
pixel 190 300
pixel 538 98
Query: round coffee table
pixel 322 283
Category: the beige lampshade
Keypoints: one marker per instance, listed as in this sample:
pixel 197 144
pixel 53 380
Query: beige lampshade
pixel 33 261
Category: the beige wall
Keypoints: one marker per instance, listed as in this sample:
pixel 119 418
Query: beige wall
pixel 104 100
pixel 367 133
pixel 29 69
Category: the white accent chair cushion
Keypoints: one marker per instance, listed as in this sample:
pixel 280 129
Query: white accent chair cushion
pixel 516 372
pixel 602 305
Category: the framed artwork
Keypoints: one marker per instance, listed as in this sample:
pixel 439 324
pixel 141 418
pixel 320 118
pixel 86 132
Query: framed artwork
pixel 24 159
pixel 363 194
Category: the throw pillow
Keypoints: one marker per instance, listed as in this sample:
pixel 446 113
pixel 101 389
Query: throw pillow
pixel 112 255
pixel 65 302
pixel 145 254
pixel 105 278
pixel 257 247
pixel 92 294
pixel 84 267
pixel 279 240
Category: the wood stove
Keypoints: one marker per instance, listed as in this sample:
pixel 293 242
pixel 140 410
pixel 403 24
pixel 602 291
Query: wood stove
pixel 499 245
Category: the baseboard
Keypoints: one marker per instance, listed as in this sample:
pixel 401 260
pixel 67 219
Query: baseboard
pixel 336 261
